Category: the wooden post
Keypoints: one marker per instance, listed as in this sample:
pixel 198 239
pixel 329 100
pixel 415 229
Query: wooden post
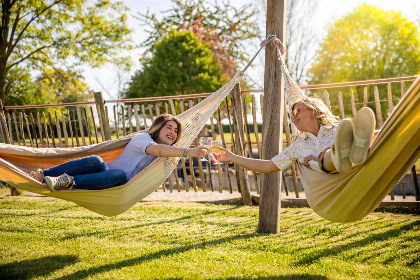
pixel 9 121
pixel 240 140
pixel 248 134
pixel 100 107
pixel 4 132
pixel 353 104
pixel 116 121
pixel 16 127
pixel 51 130
pixel 224 146
pixel 341 105
pixel 21 128
pixel 269 210
pixel 130 125
pixel 123 120
pixel 94 124
pixel 327 99
pixel 379 120
pixel 136 117
pixel 66 136
pixel 80 120
pixel 57 124
pixel 87 125
pixel 365 97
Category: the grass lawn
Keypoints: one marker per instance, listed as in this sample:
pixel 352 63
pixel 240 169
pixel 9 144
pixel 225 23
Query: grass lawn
pixel 47 238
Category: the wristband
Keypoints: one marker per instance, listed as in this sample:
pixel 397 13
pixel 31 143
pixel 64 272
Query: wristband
pixel 184 152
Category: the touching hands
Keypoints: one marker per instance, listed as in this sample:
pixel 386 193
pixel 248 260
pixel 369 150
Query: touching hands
pixel 224 155
pixel 198 151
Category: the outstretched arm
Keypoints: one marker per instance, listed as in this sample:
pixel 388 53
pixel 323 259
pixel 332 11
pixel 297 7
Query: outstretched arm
pixel 259 165
pixel 162 150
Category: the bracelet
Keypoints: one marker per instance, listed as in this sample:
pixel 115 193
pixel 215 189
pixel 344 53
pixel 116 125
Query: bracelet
pixel 184 152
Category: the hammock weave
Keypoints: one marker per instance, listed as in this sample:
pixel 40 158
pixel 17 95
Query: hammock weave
pixel 15 161
pixel 350 197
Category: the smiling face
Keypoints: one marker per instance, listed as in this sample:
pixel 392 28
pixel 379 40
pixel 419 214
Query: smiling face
pixel 168 133
pixel 304 120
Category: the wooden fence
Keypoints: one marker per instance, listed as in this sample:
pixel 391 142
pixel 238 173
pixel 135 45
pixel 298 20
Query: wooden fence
pixel 235 123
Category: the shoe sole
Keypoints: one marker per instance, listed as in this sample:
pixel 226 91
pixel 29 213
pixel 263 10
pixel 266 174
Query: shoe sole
pixel 49 183
pixel 343 140
pixel 363 129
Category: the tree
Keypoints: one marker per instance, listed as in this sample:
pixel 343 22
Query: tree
pixel 368 43
pixel 179 63
pixel 61 86
pixel 36 35
pixel 228 29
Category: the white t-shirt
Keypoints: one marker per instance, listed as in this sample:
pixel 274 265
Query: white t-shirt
pixel 134 158
pixel 306 145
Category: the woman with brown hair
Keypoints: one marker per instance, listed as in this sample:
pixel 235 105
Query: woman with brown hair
pixel 94 174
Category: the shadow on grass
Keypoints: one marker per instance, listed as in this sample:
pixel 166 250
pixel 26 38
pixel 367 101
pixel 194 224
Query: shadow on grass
pixel 284 277
pixel 46 213
pixel 97 232
pixel 29 269
pixel 113 230
pixel 392 233
pixel 157 255
pixel 280 277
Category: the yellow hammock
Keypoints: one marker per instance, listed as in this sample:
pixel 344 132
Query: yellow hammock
pixel 16 161
pixel 350 197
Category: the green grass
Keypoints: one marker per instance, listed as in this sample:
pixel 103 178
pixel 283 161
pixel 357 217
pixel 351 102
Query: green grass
pixel 46 238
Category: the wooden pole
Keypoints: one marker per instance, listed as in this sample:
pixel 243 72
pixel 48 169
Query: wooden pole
pixel 100 106
pixel 240 147
pixel 3 124
pixel 269 211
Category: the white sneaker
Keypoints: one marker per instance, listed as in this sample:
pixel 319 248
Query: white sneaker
pixel 363 129
pixel 340 150
pixel 58 183
pixel 37 175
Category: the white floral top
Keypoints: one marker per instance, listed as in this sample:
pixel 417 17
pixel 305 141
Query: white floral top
pixel 307 144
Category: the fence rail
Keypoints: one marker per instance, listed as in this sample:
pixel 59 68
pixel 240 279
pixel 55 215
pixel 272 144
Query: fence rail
pixel 236 123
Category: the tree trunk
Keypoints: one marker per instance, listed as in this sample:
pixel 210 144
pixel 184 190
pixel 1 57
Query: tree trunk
pixel 269 213
pixel 3 74
pixel 4 43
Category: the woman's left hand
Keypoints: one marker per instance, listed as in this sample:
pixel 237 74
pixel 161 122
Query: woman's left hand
pixel 198 151
pixel 308 158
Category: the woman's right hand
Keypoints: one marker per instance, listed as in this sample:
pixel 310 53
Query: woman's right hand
pixel 224 155
pixel 198 151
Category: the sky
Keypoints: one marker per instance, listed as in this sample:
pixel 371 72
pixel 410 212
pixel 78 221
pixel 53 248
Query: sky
pixel 105 78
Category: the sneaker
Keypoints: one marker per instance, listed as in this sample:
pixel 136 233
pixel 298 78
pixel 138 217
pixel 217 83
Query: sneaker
pixel 363 129
pixel 340 150
pixel 58 183
pixel 38 176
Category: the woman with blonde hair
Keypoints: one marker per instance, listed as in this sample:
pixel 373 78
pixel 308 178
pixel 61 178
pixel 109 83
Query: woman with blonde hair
pixel 326 144
pixel 94 174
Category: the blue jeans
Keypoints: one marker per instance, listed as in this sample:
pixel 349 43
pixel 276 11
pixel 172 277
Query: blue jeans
pixel 89 173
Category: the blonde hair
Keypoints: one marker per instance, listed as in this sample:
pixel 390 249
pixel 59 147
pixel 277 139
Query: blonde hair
pixel 320 111
pixel 160 122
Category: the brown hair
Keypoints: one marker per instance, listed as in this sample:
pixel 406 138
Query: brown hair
pixel 320 111
pixel 160 122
